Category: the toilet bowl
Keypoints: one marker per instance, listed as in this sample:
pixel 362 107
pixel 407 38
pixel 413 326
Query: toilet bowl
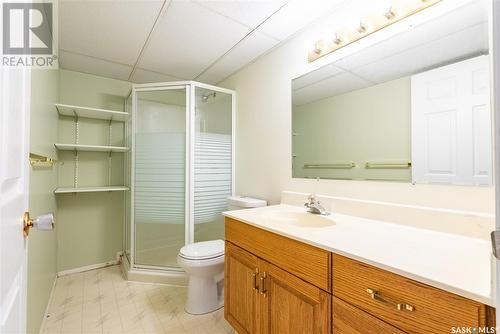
pixel 203 262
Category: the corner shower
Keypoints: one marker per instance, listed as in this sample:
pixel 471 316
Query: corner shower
pixel 180 171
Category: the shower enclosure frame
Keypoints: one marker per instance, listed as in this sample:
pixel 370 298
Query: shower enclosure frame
pixel 129 215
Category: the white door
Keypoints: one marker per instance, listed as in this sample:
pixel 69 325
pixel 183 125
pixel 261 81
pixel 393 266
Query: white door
pixel 14 172
pixel 451 124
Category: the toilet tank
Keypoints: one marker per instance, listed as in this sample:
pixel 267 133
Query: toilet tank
pixel 243 202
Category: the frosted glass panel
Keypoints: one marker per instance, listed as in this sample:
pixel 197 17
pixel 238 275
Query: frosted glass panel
pixel 212 162
pixel 160 152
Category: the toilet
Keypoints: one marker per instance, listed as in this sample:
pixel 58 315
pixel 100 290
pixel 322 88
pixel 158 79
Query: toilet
pixel 203 263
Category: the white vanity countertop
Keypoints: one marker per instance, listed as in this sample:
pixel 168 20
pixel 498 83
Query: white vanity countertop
pixel 451 262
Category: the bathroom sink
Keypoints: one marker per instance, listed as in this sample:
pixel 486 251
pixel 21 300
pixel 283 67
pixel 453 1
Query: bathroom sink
pixel 300 219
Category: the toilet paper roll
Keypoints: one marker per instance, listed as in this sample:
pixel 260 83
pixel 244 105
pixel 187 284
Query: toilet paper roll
pixel 44 222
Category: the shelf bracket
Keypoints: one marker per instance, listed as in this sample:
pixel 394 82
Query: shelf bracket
pixel 110 131
pixel 77 135
pixel 77 129
pixel 75 180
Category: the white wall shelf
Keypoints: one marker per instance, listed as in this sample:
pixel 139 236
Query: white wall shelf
pixel 90 148
pixel 95 113
pixel 69 190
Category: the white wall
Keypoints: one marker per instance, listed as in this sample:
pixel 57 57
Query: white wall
pixel 263 141
pixel 42 245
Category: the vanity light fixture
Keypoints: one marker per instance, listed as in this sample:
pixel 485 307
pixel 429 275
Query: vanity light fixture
pixel 318 47
pixel 391 13
pixel 362 28
pixel 338 39
pixel 399 10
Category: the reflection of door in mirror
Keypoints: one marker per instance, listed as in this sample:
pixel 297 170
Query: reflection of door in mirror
pixel 451 124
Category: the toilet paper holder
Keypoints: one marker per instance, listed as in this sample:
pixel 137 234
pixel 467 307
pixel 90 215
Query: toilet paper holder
pixel 43 222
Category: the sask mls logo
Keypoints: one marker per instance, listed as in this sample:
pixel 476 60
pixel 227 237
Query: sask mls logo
pixel 28 34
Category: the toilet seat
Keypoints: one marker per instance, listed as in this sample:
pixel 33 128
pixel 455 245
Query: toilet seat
pixel 204 250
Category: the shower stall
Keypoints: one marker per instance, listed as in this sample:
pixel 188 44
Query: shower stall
pixel 180 170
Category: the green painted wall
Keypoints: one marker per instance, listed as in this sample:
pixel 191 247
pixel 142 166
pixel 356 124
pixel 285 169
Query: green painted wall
pixel 42 245
pixel 90 228
pixel 369 124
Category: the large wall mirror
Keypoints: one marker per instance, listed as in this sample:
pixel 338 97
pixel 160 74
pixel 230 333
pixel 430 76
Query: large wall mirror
pixel 414 107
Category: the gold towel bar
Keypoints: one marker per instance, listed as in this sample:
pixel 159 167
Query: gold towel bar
pixel 41 161
pixel 334 165
pixel 387 165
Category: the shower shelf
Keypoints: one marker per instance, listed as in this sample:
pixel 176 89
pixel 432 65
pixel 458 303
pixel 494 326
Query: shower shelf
pixel 90 148
pixel 95 113
pixel 69 190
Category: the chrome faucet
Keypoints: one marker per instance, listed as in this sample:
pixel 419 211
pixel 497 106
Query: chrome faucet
pixel 315 206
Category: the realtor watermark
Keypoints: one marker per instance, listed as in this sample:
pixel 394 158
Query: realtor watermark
pixel 28 34
pixel 473 330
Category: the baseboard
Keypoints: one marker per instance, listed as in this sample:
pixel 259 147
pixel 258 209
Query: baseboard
pixel 92 266
pixel 49 302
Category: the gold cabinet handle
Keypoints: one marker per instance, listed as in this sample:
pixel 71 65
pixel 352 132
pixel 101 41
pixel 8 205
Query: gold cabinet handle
pixel 262 286
pixel 254 276
pixel 399 306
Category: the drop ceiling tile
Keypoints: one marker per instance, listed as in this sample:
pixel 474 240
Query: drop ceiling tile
pixel 243 53
pixel 188 39
pixel 423 57
pixel 80 63
pixel 114 30
pixel 314 76
pixel 336 85
pixel 295 15
pixel 251 13
pixel 144 76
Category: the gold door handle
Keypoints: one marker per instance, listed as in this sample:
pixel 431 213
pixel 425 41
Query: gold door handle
pixel 254 276
pixel 42 222
pixel 399 306
pixel 262 285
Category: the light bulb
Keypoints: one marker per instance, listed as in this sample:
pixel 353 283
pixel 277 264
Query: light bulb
pixel 338 39
pixel 391 13
pixel 318 47
pixel 362 28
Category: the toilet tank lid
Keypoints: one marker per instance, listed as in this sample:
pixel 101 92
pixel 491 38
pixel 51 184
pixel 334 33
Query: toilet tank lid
pixel 203 250
pixel 246 202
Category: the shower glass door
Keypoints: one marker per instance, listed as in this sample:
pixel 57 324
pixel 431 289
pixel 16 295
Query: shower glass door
pixel 161 123
pixel 213 163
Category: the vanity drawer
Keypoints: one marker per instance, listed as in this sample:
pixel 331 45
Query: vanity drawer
pixel 423 309
pixel 304 261
pixel 348 319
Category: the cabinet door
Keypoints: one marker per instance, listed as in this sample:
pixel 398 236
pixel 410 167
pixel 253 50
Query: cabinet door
pixel 348 319
pixel 290 305
pixel 240 289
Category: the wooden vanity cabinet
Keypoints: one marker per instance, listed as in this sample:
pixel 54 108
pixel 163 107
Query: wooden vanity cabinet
pixel 412 306
pixel 276 285
pixel 262 298
pixel 241 302
pixel 348 319
pixel 291 305
pixel 309 263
